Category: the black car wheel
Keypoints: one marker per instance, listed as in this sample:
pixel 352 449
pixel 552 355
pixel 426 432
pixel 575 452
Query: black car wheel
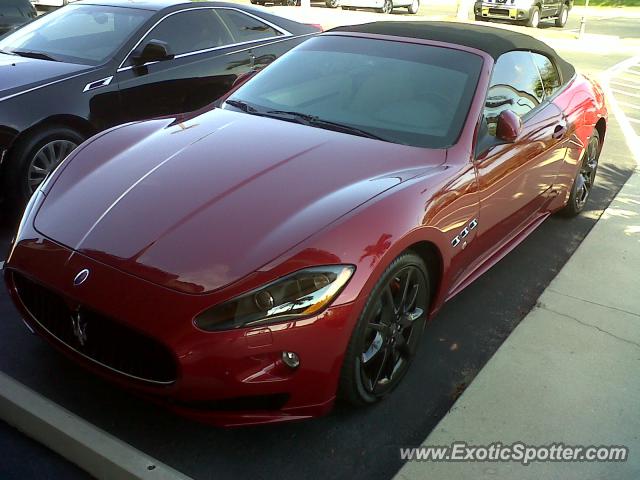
pixel 414 7
pixel 332 3
pixel 534 18
pixel 388 332
pixel 387 6
pixel 585 179
pixel 563 16
pixel 34 157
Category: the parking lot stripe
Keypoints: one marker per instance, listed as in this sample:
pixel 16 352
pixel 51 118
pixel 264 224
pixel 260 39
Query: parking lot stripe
pixel 94 450
pixel 629 132
pixel 625 84
pixel 629 105
pixel 622 92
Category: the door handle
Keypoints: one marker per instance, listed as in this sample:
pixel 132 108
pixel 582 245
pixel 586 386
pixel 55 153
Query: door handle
pixel 559 131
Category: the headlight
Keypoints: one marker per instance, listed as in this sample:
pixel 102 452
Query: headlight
pixel 301 294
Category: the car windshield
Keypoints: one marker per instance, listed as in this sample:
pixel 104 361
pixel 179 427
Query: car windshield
pixel 406 93
pixel 84 34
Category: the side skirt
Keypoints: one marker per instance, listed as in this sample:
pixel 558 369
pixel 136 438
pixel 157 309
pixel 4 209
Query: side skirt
pixel 498 254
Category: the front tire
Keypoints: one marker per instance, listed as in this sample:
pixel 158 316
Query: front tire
pixel 34 157
pixel 387 7
pixel 388 332
pixel 534 18
pixel 332 3
pixel 414 7
pixel 583 183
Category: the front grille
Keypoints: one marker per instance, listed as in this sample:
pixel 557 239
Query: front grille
pixel 97 337
pixel 498 11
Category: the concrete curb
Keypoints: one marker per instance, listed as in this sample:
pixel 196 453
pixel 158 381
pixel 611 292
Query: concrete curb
pixel 95 451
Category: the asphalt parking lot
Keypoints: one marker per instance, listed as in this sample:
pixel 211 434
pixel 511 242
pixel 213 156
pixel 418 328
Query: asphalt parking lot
pixel 347 443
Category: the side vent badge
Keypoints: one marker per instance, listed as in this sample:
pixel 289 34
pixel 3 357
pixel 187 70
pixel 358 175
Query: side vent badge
pixel 465 231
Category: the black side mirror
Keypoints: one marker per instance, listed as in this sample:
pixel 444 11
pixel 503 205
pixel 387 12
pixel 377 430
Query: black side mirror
pixel 153 51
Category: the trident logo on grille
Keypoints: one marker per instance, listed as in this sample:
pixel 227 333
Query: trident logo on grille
pixel 79 325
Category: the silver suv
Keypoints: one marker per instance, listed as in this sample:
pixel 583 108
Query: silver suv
pixel 527 12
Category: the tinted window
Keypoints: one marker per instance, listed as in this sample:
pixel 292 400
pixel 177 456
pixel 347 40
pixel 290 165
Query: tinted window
pixel 515 85
pixel 191 31
pixel 87 34
pixel 245 28
pixel 548 73
pixel 10 11
pixel 404 93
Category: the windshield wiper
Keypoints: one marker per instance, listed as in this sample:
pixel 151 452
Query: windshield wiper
pixel 315 121
pixel 5 52
pixel 244 106
pixel 32 54
pixel 303 118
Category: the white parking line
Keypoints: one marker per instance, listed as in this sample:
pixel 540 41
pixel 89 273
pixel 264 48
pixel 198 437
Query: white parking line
pixel 628 94
pixel 629 105
pixel 625 84
pixel 627 128
pixel 633 120
pixel 95 451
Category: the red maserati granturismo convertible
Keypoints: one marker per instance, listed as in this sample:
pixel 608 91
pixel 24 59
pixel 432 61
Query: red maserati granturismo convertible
pixel 256 261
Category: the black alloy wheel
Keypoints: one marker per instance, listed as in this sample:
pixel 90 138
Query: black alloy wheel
pixel 388 332
pixel 584 181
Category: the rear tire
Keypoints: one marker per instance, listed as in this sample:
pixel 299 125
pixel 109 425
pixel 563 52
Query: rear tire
pixel 563 16
pixel 585 178
pixel 34 157
pixel 332 3
pixel 388 332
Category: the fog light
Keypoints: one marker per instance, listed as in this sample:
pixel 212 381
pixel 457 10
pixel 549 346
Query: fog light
pixel 291 359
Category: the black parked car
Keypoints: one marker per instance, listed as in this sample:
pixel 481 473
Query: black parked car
pixel 14 13
pixel 98 63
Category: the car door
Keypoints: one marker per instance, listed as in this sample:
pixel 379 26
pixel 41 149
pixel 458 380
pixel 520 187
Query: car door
pixel 266 42
pixel 516 179
pixel 205 64
pixel 550 8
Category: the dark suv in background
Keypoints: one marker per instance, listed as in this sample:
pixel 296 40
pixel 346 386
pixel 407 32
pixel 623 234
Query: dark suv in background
pixel 527 12
pixel 14 13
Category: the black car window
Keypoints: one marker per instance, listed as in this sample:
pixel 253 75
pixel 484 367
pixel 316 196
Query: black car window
pixel 10 11
pixel 83 34
pixel 245 28
pixel 548 72
pixel 515 85
pixel 191 31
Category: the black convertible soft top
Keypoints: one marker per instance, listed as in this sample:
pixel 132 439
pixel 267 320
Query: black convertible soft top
pixel 494 41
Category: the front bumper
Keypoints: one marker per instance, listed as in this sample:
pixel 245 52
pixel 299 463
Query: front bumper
pixel 501 11
pixel 224 378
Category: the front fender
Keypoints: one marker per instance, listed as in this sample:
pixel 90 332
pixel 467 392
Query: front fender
pixel 433 207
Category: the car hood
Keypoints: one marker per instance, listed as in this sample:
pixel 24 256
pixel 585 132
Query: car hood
pixel 21 73
pixel 199 204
